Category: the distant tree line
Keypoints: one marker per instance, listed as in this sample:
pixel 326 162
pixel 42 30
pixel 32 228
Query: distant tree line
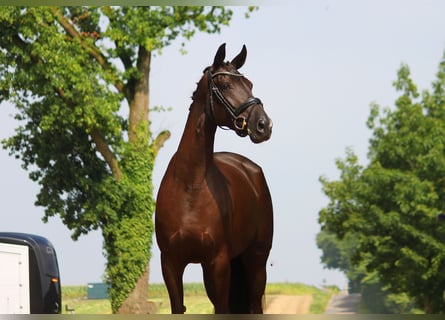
pixel 380 226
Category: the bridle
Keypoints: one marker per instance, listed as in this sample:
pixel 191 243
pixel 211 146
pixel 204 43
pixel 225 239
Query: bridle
pixel 239 122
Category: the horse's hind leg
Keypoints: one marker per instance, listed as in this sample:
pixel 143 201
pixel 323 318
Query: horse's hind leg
pixel 239 298
pixel 217 282
pixel 258 283
pixel 172 272
pixel 255 264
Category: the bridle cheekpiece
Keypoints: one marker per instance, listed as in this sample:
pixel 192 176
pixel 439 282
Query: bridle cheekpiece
pixel 239 122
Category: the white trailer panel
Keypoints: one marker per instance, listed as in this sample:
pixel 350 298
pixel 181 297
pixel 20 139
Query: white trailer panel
pixel 14 279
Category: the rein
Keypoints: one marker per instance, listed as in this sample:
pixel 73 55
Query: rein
pixel 239 122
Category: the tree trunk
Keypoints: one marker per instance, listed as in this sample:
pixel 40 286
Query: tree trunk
pixel 140 101
pixel 136 302
pixel 427 305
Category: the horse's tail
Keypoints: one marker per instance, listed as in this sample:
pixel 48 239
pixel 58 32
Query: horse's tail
pixel 239 300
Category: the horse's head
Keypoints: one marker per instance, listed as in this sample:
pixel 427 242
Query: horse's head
pixel 231 101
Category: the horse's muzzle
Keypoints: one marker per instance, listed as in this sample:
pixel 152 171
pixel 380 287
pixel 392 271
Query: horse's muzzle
pixel 259 126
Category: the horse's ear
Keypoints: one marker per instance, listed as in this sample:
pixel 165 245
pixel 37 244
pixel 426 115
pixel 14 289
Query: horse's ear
pixel 239 60
pixel 220 56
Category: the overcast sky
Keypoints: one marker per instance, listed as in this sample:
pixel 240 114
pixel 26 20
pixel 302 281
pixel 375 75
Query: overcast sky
pixel 317 66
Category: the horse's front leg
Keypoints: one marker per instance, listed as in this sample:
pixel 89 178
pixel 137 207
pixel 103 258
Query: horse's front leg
pixel 172 272
pixel 217 281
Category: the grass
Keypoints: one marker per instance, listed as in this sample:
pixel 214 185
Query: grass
pixel 75 297
pixel 195 298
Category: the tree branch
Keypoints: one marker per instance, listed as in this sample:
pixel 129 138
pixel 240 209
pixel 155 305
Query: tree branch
pixel 98 139
pixel 108 155
pixel 158 143
pixel 92 50
pixel 122 52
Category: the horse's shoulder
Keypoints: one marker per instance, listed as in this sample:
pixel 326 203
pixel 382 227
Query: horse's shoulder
pixel 237 168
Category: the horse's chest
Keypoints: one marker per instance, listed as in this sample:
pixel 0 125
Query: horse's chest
pixel 205 202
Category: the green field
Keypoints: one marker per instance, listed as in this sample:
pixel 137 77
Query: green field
pixel 196 300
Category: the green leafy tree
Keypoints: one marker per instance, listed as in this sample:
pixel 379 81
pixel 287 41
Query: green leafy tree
pixel 391 204
pixel 375 298
pixel 72 72
pixel 336 254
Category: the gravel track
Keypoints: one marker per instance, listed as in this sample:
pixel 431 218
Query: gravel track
pixel 285 304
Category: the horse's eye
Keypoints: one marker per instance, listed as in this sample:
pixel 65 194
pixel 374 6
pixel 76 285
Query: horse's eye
pixel 226 86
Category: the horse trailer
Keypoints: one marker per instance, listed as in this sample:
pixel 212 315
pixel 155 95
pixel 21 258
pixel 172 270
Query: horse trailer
pixel 29 275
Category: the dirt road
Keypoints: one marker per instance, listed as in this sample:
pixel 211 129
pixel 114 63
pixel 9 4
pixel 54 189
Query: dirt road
pixel 283 304
pixel 344 303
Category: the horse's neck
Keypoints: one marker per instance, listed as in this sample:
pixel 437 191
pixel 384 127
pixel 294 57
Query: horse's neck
pixel 195 150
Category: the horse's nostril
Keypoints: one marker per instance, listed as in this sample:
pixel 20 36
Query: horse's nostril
pixel 261 125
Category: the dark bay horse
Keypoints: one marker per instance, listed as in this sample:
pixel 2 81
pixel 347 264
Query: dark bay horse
pixel 215 208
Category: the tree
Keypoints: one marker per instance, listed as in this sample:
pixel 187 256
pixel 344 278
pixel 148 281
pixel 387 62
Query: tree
pixel 336 254
pixel 70 71
pixel 391 204
pixel 375 298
